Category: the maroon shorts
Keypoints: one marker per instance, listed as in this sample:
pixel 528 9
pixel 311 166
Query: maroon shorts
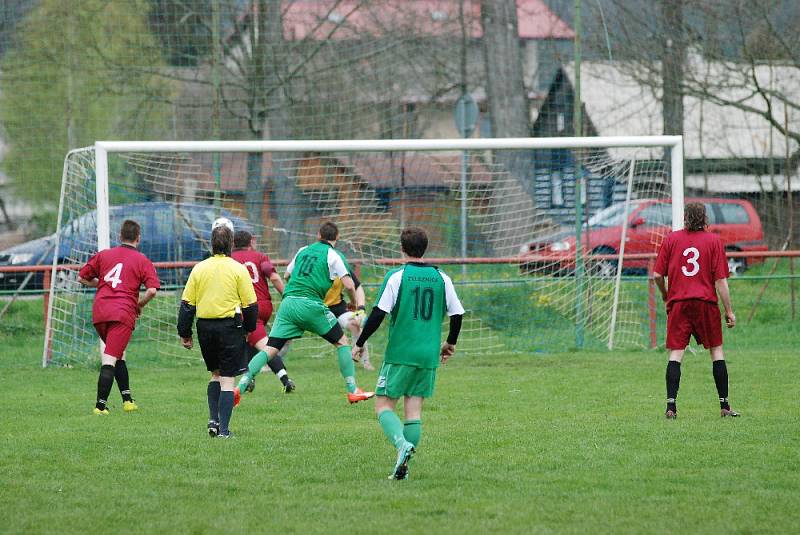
pixel 264 313
pixel 115 335
pixel 694 317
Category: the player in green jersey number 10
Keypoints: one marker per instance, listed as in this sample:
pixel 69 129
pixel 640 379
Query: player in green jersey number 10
pixel 417 295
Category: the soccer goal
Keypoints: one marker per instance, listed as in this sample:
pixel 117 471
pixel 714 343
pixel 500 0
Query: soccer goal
pixel 547 239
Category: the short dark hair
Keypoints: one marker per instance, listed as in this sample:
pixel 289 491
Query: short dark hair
pixel 329 231
pixel 414 242
pixel 694 216
pixel 221 240
pixel 129 231
pixel 241 239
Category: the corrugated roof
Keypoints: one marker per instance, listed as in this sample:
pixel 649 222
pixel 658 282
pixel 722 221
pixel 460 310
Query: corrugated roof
pixel 317 19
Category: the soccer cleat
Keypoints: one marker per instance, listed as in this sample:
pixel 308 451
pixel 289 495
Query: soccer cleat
pixel 129 406
pixel 367 365
pixel 359 395
pixel 237 396
pixel 728 412
pixel 213 428
pixel 101 412
pixel 251 385
pixel 289 387
pixel 225 435
pixel 671 415
pixel 401 465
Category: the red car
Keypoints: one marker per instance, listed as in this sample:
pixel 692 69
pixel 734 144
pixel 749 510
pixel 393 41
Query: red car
pixel 649 220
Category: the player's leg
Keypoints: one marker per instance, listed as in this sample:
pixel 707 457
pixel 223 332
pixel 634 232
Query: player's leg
pixel 710 335
pixel 210 350
pixel 412 424
pixel 276 364
pixel 392 382
pixel 283 328
pixel 720 371
pixel 114 338
pixel 355 331
pixel 123 383
pixel 679 331
pixel 213 392
pixel 231 345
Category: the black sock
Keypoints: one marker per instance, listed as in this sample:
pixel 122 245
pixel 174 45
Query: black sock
pixel 225 411
pixel 213 400
pixel 121 375
pixel 720 371
pixel 104 384
pixel 276 365
pixel 673 383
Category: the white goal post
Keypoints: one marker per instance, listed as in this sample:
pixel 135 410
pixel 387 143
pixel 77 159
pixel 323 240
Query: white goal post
pixel 98 162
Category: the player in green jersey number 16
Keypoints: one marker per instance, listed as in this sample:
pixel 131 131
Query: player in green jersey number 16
pixel 417 295
pixel 310 275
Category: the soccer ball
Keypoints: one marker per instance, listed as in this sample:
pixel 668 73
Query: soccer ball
pixel 222 222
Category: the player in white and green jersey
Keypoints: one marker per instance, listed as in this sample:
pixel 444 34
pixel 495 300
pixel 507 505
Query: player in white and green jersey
pixel 310 275
pixel 417 296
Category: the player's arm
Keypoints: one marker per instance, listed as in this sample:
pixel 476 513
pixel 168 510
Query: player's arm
pixel 456 312
pixel 373 322
pixel 187 311
pixel 277 281
pixel 91 283
pixel 350 286
pixel 658 278
pixel 449 347
pixel 725 296
pixel 661 267
pixel 148 296
pixel 88 275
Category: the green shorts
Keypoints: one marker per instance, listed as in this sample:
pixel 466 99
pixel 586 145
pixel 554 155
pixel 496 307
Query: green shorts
pixel 398 380
pixel 299 314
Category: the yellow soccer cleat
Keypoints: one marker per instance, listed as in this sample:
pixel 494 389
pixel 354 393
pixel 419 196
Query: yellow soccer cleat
pixel 129 406
pixel 101 412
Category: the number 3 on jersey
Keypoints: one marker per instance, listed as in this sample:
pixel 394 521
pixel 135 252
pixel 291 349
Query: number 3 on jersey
pixel 114 275
pixel 693 255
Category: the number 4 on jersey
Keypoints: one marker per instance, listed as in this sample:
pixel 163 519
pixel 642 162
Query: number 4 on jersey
pixel 114 275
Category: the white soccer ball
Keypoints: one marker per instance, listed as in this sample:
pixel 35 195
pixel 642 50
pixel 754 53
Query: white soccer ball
pixel 222 222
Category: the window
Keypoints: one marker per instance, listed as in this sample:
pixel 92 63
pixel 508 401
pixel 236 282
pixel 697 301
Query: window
pixel 657 214
pixel 711 214
pixel 733 214
pixel 556 189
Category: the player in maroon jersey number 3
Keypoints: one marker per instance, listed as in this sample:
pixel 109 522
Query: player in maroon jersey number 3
pixel 693 261
pixel 118 274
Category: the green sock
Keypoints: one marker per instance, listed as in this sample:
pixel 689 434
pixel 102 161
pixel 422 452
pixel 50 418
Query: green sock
pixel 412 430
pixel 392 428
pixel 253 369
pixel 346 367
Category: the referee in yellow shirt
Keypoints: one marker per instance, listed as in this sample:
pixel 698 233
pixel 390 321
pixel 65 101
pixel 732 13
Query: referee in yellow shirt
pixel 220 293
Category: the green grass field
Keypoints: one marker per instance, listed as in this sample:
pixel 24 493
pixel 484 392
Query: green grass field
pixel 563 442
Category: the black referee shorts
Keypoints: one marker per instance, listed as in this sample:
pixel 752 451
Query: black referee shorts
pixel 222 344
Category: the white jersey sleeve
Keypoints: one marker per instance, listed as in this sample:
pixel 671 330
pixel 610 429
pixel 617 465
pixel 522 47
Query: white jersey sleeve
pixel 454 306
pixel 336 266
pixel 290 267
pixel 391 290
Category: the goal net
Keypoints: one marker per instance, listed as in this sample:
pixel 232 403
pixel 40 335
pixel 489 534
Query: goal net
pixel 532 231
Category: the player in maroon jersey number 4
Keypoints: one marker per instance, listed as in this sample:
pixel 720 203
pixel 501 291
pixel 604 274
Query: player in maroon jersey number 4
pixel 694 263
pixel 118 274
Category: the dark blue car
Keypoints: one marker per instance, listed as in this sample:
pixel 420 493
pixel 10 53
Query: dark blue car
pixel 170 232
